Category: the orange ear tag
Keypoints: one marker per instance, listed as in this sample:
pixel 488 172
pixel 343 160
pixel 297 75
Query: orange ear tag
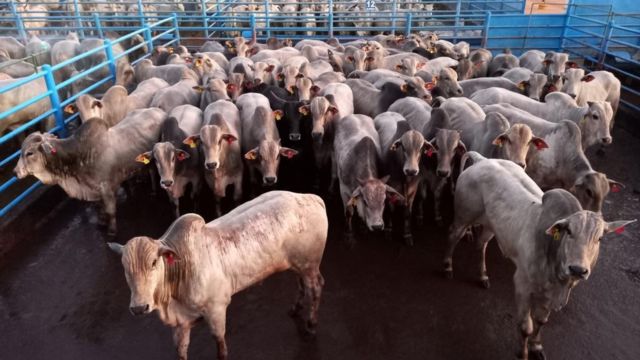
pixel 556 234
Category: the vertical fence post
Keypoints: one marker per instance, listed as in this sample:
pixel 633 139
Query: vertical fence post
pixel 19 24
pixel 108 49
pixel 148 38
pixel 457 21
pixel 76 12
pixel 407 29
pixel 143 21
pixel 487 26
pixel 176 28
pixel 266 15
pixel 96 19
pixel 54 98
pixel 394 13
pixel 330 19
pixel 605 43
pixel 203 13
pixel 567 22
pixel 252 24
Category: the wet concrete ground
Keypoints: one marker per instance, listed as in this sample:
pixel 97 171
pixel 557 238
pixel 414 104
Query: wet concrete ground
pixel 63 294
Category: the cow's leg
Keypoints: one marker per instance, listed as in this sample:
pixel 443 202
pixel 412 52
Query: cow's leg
pixel 313 283
pixel 456 231
pixel 152 177
pixel 421 194
pixel 237 190
pixel 411 188
pixel 181 337
pixel 299 303
pixel 176 204
pixel 437 195
pixel 217 318
pixel 109 201
pixel 217 212
pixel 484 238
pixel 540 318
pixel 348 233
pixel 523 316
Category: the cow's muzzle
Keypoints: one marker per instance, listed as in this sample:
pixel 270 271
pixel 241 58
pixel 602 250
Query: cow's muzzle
pixel 578 271
pixel 139 310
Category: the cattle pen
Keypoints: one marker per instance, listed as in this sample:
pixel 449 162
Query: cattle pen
pixel 384 299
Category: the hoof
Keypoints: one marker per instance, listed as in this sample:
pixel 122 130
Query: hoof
pixel 408 239
pixel 485 283
pixel 448 274
pixel 537 355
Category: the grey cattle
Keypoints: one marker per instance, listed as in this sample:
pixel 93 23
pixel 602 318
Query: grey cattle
pixel 594 86
pixel 314 69
pixel 12 47
pixel 402 149
pixel 212 91
pixel 12 98
pixel 260 138
pixel 416 111
pixel 193 270
pixel 501 63
pixel 445 84
pixel 112 108
pixel 207 68
pixel 461 112
pixel 178 164
pixel 563 164
pixel 39 50
pixel 142 96
pixel 92 163
pixel 475 66
pixel 180 93
pixel 219 142
pixel 370 101
pixel 62 51
pixel 327 78
pixel 554 65
pixel 448 148
pixel 594 119
pixel 496 138
pixel 472 85
pixel 170 73
pixel 357 152
pixel 552 241
pixel 532 60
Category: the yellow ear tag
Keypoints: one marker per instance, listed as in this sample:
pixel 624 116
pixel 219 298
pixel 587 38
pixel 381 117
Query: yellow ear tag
pixel 145 161
pixel 278 116
pixel 556 234
pixel 250 156
pixel 521 86
pixel 192 144
pixel 303 110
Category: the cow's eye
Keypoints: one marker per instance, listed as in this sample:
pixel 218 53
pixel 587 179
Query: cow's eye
pixel 595 117
pixel 153 264
pixel 29 153
pixel 589 193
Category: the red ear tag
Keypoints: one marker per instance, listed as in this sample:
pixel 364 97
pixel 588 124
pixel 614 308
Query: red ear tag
pixel 181 156
pixel 430 152
pixel 615 188
pixel 170 259
pixel 53 151
pixel 620 230
pixel 540 146
pixel 393 199
pixel 229 140
pixel 289 154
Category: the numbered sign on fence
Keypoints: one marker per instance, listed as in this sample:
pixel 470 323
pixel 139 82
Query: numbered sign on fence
pixel 370 5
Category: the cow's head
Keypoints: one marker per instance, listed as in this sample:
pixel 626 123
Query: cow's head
pixel 167 158
pixel 591 189
pixel 412 145
pixel 572 81
pixel 534 87
pixel 88 106
pixel 446 84
pixel 369 200
pixel 323 111
pixel 596 123
pixel 578 242
pixel 514 143
pixel 35 155
pixel 447 145
pixel 267 155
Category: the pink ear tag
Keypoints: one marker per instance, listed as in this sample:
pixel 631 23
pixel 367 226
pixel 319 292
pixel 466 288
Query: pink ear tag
pixel 170 259
pixel 615 188
pixel 430 152
pixel 53 151
pixel 393 199
pixel 620 230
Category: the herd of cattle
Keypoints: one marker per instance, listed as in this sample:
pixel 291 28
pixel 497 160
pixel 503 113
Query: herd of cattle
pixel 387 122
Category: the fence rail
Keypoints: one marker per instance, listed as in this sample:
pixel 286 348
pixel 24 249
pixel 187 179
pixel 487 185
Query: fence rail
pixel 604 39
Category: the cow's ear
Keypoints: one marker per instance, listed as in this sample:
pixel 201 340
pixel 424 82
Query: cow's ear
pixel 353 200
pixel 278 114
pixel 115 247
pixel 478 64
pixel 192 141
pixel 500 140
pixel 231 87
pixel 144 158
pixel 615 186
pixel 420 65
pixel 229 138
pixel 522 85
pixel 461 148
pixel 539 143
pixel 588 78
pixel 557 228
pixel 199 89
pixel 400 67
pixel 169 255
pixel 404 88
pixel 254 50
pixel 252 154
pixel 395 145
pixel 617 226
pixel 315 89
pixel 304 110
pixel 333 110
pixel 270 68
pixel 547 62
pixel 571 64
pixel 429 149
pixel 96 103
pixel 393 195
pixel 70 109
pixel 182 155
pixel 287 152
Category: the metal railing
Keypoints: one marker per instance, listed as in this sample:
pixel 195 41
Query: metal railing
pixel 606 40
pixel 163 31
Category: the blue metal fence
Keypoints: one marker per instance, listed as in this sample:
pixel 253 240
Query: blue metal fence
pixel 605 39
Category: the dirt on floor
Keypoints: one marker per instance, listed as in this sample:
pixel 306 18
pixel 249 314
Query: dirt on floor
pixel 63 294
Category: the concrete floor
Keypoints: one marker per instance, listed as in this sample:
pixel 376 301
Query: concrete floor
pixel 63 294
